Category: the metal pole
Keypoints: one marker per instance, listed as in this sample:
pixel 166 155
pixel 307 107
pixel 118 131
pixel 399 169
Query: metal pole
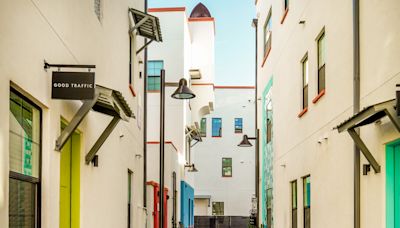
pixel 356 108
pixel 145 121
pixel 257 132
pixel 162 139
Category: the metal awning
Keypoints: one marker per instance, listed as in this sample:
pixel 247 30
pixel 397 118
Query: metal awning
pixel 195 74
pixel 193 133
pixel 106 101
pixel 146 25
pixel 367 116
pixel 205 197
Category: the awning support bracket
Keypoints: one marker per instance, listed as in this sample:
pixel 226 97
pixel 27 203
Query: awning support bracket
pixel 76 120
pixel 140 23
pixel 364 149
pixel 100 141
pixel 144 46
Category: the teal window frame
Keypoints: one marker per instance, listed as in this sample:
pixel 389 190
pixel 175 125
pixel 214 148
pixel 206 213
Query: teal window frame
pixel 154 68
pixel 307 201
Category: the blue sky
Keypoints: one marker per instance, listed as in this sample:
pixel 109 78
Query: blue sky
pixel 234 46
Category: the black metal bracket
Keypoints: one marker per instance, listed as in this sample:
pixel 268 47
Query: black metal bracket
pixel 48 66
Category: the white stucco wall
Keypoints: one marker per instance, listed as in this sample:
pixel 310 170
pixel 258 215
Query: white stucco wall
pixel 68 32
pixel 296 149
pixel 235 191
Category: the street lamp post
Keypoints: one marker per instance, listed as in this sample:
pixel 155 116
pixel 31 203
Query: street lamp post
pixel 183 92
pixel 246 143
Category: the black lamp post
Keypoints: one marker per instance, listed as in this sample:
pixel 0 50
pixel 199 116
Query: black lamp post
pixel 182 92
pixel 246 143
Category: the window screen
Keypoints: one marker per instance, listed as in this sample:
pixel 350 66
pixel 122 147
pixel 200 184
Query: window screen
pixel 238 125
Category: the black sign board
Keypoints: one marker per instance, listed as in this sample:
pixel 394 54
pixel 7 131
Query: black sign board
pixel 73 85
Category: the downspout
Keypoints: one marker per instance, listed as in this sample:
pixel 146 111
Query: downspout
pixel 145 120
pixel 356 109
pixel 257 152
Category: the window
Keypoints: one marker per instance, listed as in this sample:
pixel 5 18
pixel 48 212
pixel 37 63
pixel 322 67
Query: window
pixel 321 62
pixel 267 35
pixel 293 185
pixel 238 125
pixel 305 81
pixel 25 152
pixel 203 127
pixel 269 208
pixel 216 127
pixel 129 198
pixel 218 208
pixel 307 201
pixel 154 72
pixel 98 9
pixel 226 167
pixel 269 130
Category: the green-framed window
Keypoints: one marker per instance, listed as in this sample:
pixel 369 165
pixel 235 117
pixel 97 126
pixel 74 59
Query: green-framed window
pixel 25 154
pixel 238 125
pixel 321 62
pixel 226 167
pixel 203 127
pixel 307 201
pixel 218 208
pixel 154 68
pixel 293 187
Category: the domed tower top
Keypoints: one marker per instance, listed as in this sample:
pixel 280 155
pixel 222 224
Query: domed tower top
pixel 200 11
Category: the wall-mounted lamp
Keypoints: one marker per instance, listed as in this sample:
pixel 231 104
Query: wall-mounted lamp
pixel 192 168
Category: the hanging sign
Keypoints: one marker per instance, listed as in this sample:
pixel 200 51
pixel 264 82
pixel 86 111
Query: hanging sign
pixel 73 85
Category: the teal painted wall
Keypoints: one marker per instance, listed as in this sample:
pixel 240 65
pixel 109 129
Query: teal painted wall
pixel 187 205
pixel 393 185
pixel 267 152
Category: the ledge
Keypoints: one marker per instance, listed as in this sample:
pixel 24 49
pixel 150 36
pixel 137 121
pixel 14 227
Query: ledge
pixel 316 99
pixel 304 111
pixel 284 15
pixel 265 57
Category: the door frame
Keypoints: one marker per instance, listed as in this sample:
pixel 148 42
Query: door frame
pixel 390 183
pixel 76 137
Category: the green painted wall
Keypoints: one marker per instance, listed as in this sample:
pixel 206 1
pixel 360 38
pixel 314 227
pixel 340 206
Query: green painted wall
pixel 267 154
pixel 393 185
pixel 70 183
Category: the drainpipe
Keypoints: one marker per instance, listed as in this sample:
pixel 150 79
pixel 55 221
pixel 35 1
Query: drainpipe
pixel 356 108
pixel 145 120
pixel 257 152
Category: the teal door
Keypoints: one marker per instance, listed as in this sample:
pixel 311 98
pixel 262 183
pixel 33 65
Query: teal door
pixel 393 185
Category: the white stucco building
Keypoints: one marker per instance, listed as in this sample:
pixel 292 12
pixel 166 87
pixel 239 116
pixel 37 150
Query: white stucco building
pixel 305 89
pixel 41 186
pixel 225 181
pixel 187 52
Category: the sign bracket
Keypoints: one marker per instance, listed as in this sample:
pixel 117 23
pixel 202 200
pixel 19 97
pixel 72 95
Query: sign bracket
pixel 48 66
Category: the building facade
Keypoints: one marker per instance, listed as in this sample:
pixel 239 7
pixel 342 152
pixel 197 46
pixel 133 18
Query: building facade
pixel 88 177
pixel 306 67
pixel 225 181
pixel 187 52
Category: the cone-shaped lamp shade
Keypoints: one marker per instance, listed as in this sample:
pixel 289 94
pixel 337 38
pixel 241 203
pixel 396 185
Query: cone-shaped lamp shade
pixel 183 91
pixel 245 142
pixel 193 169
